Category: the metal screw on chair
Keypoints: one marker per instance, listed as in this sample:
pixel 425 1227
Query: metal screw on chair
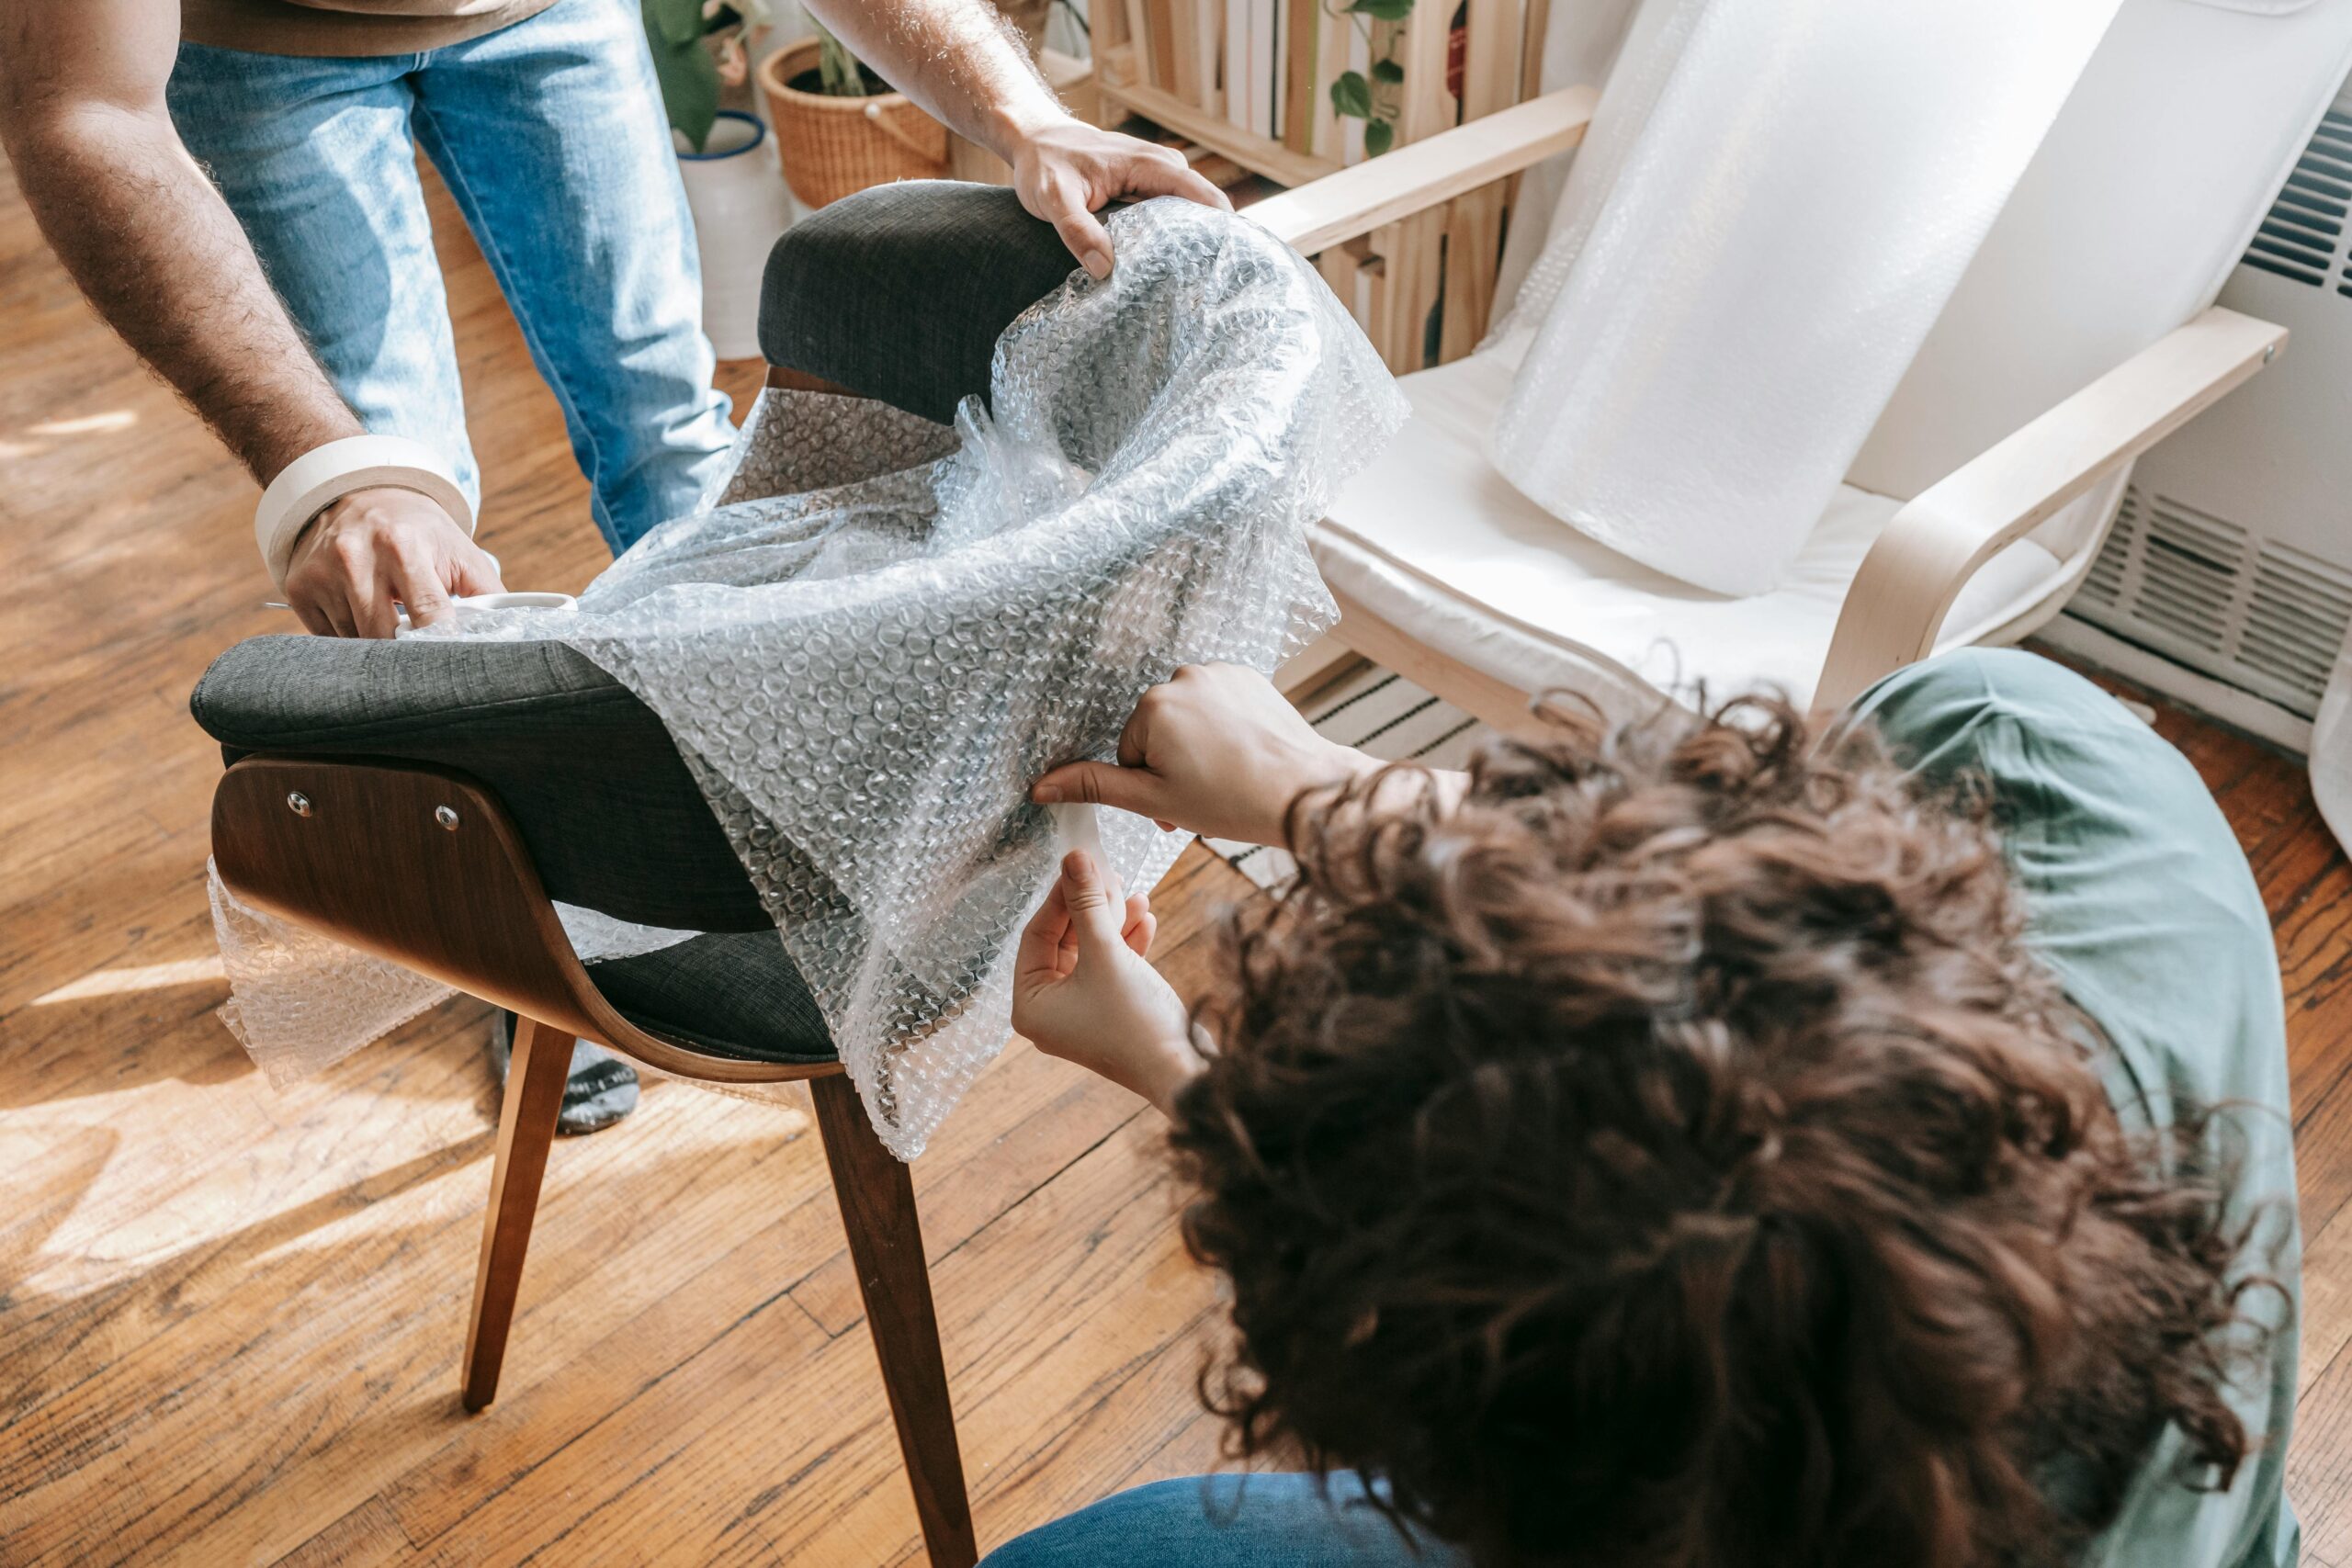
pixel 2271 353
pixel 447 816
pixel 297 803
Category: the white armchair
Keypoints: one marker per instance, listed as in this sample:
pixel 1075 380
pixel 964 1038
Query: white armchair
pixel 2082 335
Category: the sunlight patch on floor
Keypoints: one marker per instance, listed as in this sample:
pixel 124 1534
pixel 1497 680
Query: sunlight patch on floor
pixel 86 425
pixel 137 978
pixel 91 1178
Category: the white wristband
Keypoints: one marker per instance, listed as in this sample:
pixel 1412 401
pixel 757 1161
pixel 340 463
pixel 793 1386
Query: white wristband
pixel 321 477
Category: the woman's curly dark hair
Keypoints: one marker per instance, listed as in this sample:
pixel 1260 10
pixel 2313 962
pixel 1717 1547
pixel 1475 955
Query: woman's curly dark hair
pixel 1670 1155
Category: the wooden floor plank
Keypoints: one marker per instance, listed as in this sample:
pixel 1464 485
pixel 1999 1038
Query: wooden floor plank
pixel 230 1316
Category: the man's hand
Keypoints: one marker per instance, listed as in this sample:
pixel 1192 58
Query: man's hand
pixel 1215 749
pixel 958 60
pixel 1083 990
pixel 373 546
pixel 1066 170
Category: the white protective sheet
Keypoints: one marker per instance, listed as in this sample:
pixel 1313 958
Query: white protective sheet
pixel 865 651
pixel 1775 200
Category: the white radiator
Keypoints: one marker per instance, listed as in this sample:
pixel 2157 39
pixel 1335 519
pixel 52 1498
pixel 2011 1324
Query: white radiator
pixel 2227 581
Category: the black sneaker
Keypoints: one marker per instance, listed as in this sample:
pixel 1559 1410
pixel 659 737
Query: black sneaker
pixel 600 1091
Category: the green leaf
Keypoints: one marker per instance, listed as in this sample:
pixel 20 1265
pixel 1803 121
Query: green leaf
pixel 1382 10
pixel 1378 137
pixel 1387 71
pixel 672 22
pixel 1350 94
pixel 689 79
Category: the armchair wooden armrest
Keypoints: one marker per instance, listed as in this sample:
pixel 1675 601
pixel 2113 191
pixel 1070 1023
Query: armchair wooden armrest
pixel 1421 175
pixel 1895 608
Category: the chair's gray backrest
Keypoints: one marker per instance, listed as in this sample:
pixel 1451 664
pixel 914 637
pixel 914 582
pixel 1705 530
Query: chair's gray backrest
pixel 899 292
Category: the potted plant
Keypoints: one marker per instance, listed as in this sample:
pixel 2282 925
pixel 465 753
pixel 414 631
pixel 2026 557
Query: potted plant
pixel 697 45
pixel 839 127
pixel 739 205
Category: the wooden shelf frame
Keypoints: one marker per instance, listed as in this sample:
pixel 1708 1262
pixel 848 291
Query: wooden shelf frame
pixel 1113 83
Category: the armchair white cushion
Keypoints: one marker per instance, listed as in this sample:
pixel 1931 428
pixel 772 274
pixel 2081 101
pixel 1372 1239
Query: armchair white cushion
pixel 1432 538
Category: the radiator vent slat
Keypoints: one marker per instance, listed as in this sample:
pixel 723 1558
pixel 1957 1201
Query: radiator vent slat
pixel 2103 586
pixel 2303 237
pixel 2263 616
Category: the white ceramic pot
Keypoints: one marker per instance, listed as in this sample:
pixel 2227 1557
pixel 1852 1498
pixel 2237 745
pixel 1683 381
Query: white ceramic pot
pixel 740 206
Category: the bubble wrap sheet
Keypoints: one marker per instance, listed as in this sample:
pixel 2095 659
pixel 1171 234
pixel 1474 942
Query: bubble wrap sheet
pixel 882 630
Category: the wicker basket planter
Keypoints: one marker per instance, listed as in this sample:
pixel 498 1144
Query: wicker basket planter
pixel 832 146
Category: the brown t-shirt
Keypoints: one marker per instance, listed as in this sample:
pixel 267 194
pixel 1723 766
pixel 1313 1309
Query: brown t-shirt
pixel 344 28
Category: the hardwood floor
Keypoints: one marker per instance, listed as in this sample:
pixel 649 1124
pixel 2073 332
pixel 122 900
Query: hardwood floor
pixel 230 1318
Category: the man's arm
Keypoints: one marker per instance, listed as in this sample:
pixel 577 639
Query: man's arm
pixel 961 62
pixel 162 258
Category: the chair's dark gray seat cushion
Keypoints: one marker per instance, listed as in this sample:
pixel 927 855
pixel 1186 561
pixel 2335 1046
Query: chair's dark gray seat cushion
pixel 897 293
pixel 901 292
pixel 733 996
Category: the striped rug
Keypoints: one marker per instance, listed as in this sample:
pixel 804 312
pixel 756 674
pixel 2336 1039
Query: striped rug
pixel 1380 713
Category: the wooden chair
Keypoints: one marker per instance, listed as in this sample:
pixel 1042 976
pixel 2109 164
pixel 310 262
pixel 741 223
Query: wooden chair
pixel 423 865
pixel 427 801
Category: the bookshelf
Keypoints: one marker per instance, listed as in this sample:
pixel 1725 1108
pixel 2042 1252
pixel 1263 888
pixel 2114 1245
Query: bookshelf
pixel 1251 81
pixel 1259 155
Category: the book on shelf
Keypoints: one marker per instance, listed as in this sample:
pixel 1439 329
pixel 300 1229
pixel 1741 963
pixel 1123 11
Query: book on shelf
pixel 1139 41
pixel 1359 60
pixel 1261 67
pixel 1278 68
pixel 1208 47
pixel 1302 32
pixel 1330 57
pixel 1184 49
pixel 1265 66
pixel 1235 51
pixel 1162 16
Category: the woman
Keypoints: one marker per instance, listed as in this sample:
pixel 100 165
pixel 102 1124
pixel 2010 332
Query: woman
pixel 1714 1144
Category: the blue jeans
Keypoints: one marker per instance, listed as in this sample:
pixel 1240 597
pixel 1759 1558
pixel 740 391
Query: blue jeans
pixel 1227 1522
pixel 551 137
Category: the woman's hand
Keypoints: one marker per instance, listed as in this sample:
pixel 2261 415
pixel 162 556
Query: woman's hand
pixel 1083 990
pixel 1215 749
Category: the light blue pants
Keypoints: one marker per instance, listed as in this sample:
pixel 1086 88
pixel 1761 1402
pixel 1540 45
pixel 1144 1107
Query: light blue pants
pixel 551 137
pixel 1227 1522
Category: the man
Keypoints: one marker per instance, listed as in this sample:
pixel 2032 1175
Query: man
pixel 296 307
pixel 1714 1144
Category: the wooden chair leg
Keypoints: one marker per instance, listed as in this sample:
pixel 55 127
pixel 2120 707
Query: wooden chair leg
pixel 535 1081
pixel 878 1199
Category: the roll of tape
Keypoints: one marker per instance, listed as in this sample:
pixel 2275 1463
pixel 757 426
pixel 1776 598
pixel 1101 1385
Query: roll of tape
pixel 323 475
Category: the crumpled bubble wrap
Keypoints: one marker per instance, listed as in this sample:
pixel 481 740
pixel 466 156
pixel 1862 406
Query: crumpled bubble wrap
pixel 299 1002
pixel 884 631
